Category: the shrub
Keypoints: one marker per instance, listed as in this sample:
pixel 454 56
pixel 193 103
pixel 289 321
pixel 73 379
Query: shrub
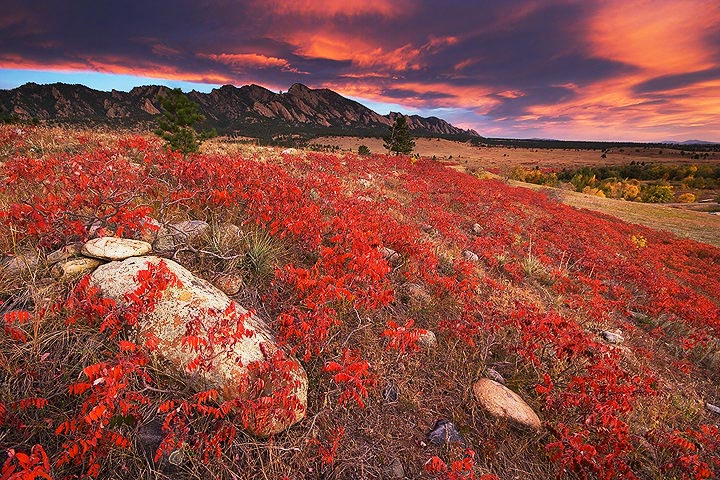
pixel 364 150
pixel 657 194
pixel 686 198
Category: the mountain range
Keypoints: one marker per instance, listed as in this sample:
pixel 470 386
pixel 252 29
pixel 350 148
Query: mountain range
pixel 250 110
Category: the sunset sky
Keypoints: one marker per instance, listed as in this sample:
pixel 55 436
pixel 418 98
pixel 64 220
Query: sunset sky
pixel 608 70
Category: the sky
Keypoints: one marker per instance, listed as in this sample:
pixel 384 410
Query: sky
pixel 641 70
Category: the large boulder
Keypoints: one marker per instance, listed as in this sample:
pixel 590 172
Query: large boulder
pixel 226 370
pixel 501 402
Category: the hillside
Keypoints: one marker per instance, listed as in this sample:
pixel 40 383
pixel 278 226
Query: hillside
pixel 399 294
pixel 250 110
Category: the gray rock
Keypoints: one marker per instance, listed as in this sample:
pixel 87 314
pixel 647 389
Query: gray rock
pixel 20 264
pixel 611 337
pixel 115 248
pixel 189 230
pixel 501 402
pixel 712 408
pixel 227 362
pixel 395 470
pixel 495 375
pixel 169 237
pixel 444 433
pixel 470 256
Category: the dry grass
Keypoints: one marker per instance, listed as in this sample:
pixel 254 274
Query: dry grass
pixel 698 226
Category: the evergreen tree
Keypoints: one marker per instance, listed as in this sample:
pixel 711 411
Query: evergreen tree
pixel 176 126
pixel 399 140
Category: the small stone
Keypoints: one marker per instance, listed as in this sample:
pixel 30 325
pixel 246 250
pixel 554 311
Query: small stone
pixel 444 433
pixel 390 393
pixel 114 248
pixel 417 293
pixel 395 469
pixel 290 151
pixel 427 339
pixel 612 337
pixel 470 256
pixel 477 229
pixel 229 283
pixel 65 253
pixel 501 402
pixel 712 408
pixel 390 255
pixel 495 375
pixel 75 267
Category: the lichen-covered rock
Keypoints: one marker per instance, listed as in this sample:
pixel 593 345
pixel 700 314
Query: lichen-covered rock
pixel 196 300
pixel 501 402
pixel 115 248
pixel 229 283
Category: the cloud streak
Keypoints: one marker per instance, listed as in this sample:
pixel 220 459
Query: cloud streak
pixel 617 69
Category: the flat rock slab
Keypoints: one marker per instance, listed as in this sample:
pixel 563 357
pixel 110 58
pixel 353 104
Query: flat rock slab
pixel 114 248
pixel 501 402
pixel 65 253
pixel 227 370
pixel 75 267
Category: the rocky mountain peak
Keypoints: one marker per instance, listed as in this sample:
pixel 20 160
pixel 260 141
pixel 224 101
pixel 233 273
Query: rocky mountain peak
pixel 251 110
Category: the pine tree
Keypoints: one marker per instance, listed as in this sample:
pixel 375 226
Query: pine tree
pixel 399 140
pixel 176 126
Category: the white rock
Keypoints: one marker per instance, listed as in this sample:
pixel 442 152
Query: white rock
pixel 470 256
pixel 228 370
pixel 477 229
pixel 390 255
pixel 501 402
pixel 612 337
pixel 115 248
pixel 427 339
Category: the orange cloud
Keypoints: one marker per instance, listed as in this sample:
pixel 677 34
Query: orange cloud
pixel 361 52
pixel 346 8
pixel 663 37
pixel 250 60
pixel 115 65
